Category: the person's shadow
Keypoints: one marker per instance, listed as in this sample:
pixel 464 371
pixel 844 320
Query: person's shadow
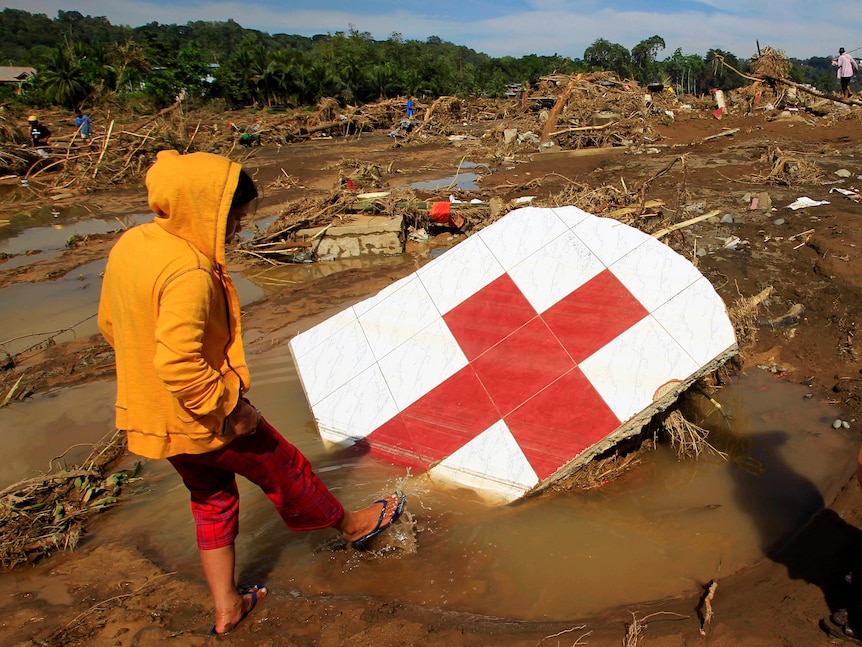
pixel 815 544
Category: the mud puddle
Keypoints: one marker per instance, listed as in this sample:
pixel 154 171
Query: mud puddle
pixel 45 232
pixel 66 308
pixel 665 528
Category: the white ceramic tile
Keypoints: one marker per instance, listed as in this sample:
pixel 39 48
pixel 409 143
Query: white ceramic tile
pixel 305 342
pixel 697 319
pixel 395 319
pixel 609 239
pixel 571 216
pixel 459 273
pixel 331 364
pixel 356 409
pixel 629 370
pixel 414 369
pixel 654 273
pixel 493 461
pixel 520 233
pixel 553 272
pixel 366 304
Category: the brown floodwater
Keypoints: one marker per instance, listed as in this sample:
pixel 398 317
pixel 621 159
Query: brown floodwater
pixel 664 528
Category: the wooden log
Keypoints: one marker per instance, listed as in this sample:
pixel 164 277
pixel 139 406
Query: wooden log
pixel 661 233
pixel 812 91
pixel 580 129
pixel 555 113
pixel 161 112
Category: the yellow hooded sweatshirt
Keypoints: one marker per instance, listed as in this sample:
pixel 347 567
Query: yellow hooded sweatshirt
pixel 170 310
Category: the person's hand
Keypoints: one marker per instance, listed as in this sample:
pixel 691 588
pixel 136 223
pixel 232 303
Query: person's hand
pixel 244 418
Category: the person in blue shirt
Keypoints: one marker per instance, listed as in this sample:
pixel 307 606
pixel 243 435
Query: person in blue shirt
pixel 83 124
pixel 409 107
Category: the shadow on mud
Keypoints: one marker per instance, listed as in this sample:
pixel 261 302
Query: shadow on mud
pixel 826 548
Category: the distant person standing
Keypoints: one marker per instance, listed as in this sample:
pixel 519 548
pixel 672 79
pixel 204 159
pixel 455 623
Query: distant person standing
pixel 39 133
pixel 410 107
pixel 847 68
pixel 83 124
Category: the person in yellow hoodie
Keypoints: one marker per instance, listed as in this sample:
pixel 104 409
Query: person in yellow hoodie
pixel 170 310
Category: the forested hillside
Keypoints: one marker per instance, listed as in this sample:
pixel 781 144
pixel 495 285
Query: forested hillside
pixel 83 59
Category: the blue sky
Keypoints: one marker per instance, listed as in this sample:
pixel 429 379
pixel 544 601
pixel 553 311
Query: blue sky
pixel 800 28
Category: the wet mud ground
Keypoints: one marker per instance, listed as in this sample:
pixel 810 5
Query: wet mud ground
pixel 111 592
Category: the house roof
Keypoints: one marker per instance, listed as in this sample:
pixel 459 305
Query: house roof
pixel 15 73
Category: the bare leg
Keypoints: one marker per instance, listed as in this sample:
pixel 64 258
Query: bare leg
pixel 354 525
pixel 219 565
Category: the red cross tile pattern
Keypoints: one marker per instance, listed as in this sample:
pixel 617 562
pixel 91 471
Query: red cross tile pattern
pixel 560 422
pixel 491 314
pixel 593 315
pixel 523 370
pixel 442 421
pixel 522 364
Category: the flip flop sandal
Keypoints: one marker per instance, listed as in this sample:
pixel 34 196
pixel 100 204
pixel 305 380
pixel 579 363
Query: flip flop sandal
pixel 360 543
pixel 249 590
pixel 836 630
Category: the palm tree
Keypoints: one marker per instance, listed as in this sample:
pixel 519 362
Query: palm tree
pixel 382 78
pixel 64 81
pixel 275 77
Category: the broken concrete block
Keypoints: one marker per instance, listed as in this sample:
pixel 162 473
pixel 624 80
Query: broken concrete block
pixel 362 236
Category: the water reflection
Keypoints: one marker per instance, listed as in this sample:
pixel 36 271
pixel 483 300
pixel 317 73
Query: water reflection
pixel 45 231
pixel 460 182
pixel 34 311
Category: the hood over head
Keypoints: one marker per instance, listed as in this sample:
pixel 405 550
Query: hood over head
pixel 191 196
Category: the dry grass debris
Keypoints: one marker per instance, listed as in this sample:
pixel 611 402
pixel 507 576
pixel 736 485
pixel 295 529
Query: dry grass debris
pixel 688 439
pixel 771 62
pixel 47 513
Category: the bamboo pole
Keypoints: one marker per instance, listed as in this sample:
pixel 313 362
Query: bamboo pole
pixel 104 148
pixel 661 233
pixel 192 138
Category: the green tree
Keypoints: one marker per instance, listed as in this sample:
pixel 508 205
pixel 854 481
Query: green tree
pixel 684 72
pixel 382 79
pixel 716 75
pixel 643 58
pixel 190 69
pixel 64 82
pixel 604 55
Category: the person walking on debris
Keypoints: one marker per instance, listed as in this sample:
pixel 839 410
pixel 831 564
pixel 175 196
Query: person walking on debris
pixel 410 107
pixel 847 68
pixel 170 310
pixel 39 133
pixel 83 124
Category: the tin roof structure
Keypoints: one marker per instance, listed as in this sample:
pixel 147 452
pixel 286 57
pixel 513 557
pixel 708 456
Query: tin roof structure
pixel 15 73
pixel 519 354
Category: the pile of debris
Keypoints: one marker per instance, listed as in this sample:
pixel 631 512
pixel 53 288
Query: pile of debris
pixel 47 513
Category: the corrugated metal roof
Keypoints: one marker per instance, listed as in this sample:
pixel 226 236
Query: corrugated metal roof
pixel 15 73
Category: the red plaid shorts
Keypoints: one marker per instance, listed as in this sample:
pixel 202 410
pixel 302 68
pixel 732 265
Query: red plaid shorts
pixel 266 459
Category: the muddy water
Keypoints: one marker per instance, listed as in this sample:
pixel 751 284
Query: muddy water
pixel 664 528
